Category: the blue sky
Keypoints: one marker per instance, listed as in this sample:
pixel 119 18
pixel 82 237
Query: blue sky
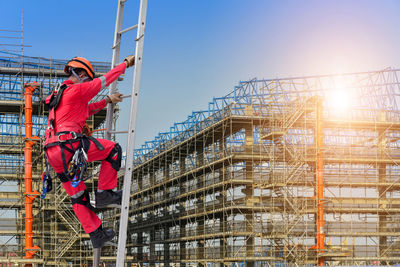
pixel 197 50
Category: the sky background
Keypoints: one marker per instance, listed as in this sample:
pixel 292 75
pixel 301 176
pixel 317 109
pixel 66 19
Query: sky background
pixel 197 50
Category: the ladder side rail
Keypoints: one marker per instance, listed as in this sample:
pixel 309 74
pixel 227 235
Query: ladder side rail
pixel 113 87
pixel 115 59
pixel 131 136
pixel 96 257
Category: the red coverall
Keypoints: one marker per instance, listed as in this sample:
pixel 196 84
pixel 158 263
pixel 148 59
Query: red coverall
pixel 71 115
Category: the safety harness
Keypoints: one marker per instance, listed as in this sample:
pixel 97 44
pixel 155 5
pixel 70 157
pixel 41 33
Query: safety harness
pixel 76 169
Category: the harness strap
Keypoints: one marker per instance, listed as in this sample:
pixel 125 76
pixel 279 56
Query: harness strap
pixel 84 200
pixel 57 143
pixel 52 103
pixel 63 177
pixel 63 138
pixel 64 147
pixel 63 159
pixel 96 142
pixel 115 163
pixel 56 98
pixel 69 137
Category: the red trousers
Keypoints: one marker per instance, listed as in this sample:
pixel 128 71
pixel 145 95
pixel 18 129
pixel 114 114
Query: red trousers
pixel 107 178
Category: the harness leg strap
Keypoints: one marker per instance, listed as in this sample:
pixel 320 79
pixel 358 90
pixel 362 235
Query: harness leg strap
pixel 83 199
pixel 63 177
pixel 115 163
pixel 96 142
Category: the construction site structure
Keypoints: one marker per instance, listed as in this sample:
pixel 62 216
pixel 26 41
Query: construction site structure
pixel 42 232
pixel 279 172
pixel 276 173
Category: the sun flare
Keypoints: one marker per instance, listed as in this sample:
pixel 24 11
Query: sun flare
pixel 339 101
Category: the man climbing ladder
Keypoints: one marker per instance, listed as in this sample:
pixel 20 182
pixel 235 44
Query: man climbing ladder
pixel 66 142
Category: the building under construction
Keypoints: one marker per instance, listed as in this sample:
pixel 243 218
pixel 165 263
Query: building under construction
pixel 274 173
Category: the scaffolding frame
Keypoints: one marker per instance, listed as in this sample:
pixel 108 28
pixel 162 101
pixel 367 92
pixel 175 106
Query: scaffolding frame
pixel 56 229
pixel 272 174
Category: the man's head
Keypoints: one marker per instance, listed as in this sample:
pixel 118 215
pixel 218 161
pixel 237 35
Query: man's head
pixel 79 69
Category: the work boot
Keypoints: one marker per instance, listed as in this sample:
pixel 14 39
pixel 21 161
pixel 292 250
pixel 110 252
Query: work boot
pixel 108 199
pixel 101 236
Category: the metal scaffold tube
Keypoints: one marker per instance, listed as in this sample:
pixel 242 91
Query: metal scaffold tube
pixel 30 141
pixel 320 184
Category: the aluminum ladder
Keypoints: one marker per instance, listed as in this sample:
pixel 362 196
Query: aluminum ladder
pixel 121 249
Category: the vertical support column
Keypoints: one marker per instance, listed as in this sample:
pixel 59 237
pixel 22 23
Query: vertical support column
pixel 222 147
pixel 182 223
pixel 319 190
pixel 152 247
pixel 152 178
pixel 199 163
pixel 182 169
pixel 182 244
pixel 200 252
pixel 140 248
pixel 166 246
pixel 166 169
pixel 30 141
pixel 222 151
pixel 139 179
pixel 182 164
pixel 200 205
pixel 222 200
pixel 249 139
pixel 382 218
pixel 166 178
pixel 248 191
pixel 222 240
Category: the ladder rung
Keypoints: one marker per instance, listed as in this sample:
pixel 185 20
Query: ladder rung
pixel 117 132
pixel 128 29
pixel 125 96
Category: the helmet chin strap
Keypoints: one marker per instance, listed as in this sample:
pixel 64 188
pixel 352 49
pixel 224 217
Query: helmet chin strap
pixel 81 80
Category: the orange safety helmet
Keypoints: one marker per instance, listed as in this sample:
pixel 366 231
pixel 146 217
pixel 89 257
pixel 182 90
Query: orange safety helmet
pixel 80 63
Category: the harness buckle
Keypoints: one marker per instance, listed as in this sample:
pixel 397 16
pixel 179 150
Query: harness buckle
pixel 74 136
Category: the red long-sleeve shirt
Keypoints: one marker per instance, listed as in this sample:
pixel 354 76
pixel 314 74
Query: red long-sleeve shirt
pixel 74 108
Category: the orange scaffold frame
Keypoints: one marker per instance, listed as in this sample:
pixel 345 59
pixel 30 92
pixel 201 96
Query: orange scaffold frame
pixel 30 195
pixel 319 136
